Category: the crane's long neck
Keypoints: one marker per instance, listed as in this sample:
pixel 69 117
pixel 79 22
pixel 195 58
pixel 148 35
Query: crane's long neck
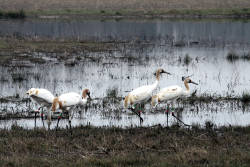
pixel 56 104
pixel 187 91
pixel 155 84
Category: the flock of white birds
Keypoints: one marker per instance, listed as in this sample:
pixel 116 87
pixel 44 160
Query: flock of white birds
pixel 139 96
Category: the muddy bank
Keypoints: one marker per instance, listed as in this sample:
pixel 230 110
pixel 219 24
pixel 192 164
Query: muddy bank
pixel 152 146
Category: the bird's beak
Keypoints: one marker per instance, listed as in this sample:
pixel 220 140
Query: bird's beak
pixel 27 92
pixel 194 83
pixel 166 72
pixel 89 96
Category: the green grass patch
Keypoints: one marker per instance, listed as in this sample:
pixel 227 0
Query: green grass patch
pixel 3 44
pixel 13 14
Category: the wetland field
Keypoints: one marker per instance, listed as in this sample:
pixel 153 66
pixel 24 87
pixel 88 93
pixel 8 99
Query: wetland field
pixel 111 58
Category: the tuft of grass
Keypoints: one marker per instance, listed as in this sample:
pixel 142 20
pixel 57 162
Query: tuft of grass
pixel 13 14
pixel 231 57
pixel 245 97
pixel 112 92
pixel 246 57
pixel 118 13
pixel 187 59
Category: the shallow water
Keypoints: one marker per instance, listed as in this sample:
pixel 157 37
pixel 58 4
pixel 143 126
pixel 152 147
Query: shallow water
pixel 223 113
pixel 150 44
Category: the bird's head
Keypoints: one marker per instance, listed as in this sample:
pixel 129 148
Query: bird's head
pixel 159 72
pixel 188 80
pixel 86 93
pixel 31 91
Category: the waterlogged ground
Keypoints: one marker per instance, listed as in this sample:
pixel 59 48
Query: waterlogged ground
pixel 197 48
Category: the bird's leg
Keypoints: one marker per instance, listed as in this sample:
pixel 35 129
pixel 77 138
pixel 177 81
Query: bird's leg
pixel 180 120
pixel 70 121
pixel 167 111
pixel 36 114
pixel 35 119
pixel 42 114
pixel 49 119
pixel 58 119
pixel 137 113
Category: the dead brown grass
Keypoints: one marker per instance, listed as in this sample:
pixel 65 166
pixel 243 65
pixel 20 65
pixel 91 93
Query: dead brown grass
pixel 155 146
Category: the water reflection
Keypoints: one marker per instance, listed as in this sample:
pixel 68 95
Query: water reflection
pixel 190 32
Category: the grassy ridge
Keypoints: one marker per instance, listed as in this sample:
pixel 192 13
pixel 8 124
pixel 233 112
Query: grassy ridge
pixel 237 12
pixel 190 13
pixel 152 146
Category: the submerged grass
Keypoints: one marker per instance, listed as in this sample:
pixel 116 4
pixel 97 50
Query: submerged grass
pixel 151 146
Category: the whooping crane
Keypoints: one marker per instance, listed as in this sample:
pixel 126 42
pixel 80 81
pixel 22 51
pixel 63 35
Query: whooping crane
pixel 68 102
pixel 42 97
pixel 172 93
pixel 142 94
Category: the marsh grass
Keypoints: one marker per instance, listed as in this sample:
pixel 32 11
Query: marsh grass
pixel 245 97
pixel 187 59
pixel 13 14
pixel 135 147
pixel 232 57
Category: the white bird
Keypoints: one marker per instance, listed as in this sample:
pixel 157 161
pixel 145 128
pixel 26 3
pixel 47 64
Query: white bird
pixel 142 94
pixel 42 97
pixel 67 102
pixel 172 93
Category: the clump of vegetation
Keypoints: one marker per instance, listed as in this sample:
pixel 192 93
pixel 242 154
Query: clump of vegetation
pixel 112 92
pixel 245 97
pixel 118 13
pixel 232 56
pixel 187 59
pixel 13 14
pixel 246 57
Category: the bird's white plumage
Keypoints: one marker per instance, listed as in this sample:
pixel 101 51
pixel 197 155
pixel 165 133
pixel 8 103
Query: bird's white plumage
pixel 43 97
pixel 68 102
pixel 142 93
pixel 71 99
pixel 171 93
